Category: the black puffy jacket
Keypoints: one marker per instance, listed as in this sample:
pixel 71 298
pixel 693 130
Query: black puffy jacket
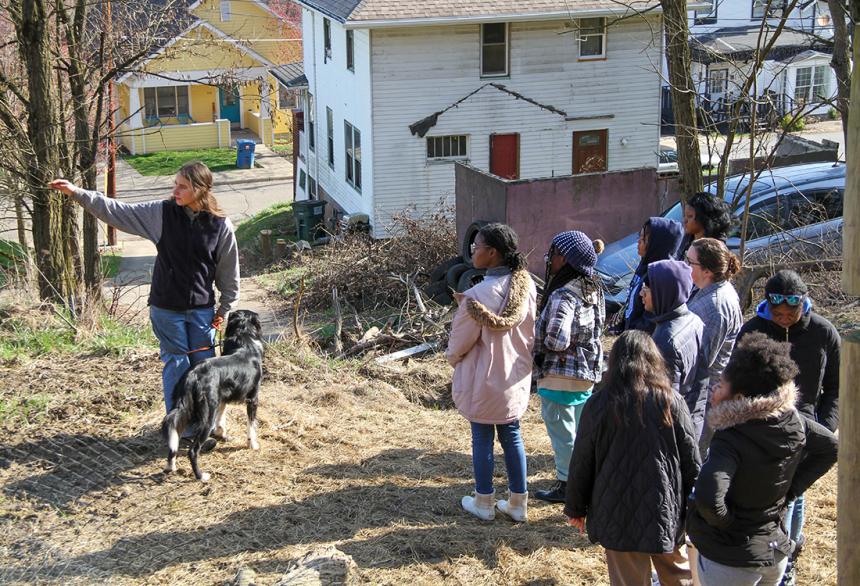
pixel 762 455
pixel 631 481
pixel 815 346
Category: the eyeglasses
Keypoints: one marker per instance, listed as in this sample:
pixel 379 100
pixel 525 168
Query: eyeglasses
pixel 548 256
pixel 475 246
pixel 778 298
pixel 691 263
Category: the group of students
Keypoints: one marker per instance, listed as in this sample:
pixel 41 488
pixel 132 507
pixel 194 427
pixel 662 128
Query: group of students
pixel 705 431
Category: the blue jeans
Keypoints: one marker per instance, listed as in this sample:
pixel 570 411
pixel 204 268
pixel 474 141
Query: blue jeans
pixel 482 456
pixel 794 519
pixel 561 422
pixel 179 332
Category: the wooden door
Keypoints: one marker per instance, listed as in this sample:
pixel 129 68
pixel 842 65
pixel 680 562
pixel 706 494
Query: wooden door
pixel 589 151
pixel 505 155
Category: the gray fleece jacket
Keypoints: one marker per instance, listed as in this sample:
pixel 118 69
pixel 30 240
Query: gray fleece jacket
pixel 145 219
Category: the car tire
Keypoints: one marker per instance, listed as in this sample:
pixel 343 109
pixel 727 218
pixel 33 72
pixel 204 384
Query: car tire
pixel 469 238
pixel 443 298
pixel 470 278
pixel 432 289
pixel 441 271
pixel 452 278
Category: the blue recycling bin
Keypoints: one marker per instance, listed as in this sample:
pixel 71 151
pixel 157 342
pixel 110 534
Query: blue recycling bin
pixel 245 153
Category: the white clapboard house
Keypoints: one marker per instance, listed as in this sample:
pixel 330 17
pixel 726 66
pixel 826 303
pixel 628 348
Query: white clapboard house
pixel 398 90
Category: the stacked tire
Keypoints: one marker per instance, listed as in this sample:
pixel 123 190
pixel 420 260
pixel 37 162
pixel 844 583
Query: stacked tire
pixel 457 273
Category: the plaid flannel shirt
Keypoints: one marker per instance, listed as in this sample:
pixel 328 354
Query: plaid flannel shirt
pixel 568 333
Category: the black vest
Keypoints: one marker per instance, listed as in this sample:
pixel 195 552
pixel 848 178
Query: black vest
pixel 185 266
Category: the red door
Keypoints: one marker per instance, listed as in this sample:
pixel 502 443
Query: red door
pixel 505 155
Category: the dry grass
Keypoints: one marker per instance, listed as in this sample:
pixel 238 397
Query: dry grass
pixel 350 457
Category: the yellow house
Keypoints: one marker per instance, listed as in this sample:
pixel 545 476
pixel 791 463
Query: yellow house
pixel 223 73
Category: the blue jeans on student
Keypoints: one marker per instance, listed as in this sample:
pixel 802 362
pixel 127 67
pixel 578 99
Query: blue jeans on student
pixel 178 333
pixel 482 455
pixel 561 422
pixel 794 518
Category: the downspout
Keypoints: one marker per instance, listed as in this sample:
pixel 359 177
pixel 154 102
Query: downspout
pixel 314 108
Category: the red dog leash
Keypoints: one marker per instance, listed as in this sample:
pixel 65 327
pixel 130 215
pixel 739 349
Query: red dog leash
pixel 204 348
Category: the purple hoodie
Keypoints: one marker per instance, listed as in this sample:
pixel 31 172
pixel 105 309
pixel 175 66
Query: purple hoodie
pixel 670 282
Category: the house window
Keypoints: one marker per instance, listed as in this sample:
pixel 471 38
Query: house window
pixel 709 17
pixel 165 102
pixel 287 98
pixel 302 179
pixel 311 118
pixel 442 148
pixel 718 81
pixel 226 10
pixel 352 139
pixel 592 38
pixel 589 151
pixel 350 51
pixel 759 7
pixel 810 84
pixel 329 122
pixel 326 39
pixel 312 187
pixel 494 49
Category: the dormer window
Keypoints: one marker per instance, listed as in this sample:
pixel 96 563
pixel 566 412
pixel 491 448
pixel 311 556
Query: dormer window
pixel 326 39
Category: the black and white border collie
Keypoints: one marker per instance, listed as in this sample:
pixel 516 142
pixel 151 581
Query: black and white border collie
pixel 202 394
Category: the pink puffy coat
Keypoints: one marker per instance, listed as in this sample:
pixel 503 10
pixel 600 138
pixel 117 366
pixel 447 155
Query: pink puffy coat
pixel 490 348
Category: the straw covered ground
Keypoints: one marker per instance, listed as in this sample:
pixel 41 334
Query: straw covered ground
pixel 346 460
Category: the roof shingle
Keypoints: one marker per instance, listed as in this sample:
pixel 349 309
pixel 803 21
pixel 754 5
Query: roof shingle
pixel 358 11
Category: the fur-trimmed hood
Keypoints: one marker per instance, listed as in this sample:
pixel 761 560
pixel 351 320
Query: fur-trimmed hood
pixel 515 305
pixel 738 411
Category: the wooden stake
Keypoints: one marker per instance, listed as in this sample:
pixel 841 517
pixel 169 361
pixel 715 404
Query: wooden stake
pixel 847 511
pixel 280 248
pixel 338 322
pixel 266 245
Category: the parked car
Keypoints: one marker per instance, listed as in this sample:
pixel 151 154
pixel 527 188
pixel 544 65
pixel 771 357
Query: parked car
pixel 795 213
pixel 667 160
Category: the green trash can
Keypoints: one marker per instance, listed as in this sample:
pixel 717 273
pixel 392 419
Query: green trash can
pixel 310 218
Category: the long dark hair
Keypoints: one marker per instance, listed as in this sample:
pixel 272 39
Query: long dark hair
pixel 637 372
pixel 503 238
pixel 565 275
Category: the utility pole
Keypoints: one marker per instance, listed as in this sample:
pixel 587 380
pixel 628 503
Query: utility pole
pixel 111 143
pixel 848 513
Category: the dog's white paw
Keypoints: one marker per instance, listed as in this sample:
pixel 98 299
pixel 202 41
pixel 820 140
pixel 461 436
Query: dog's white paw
pixel 171 467
pixel 204 477
pixel 254 445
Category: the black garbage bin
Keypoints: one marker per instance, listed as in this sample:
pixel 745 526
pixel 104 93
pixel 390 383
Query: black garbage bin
pixel 310 218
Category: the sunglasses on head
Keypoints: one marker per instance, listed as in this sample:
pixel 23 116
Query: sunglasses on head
pixel 778 299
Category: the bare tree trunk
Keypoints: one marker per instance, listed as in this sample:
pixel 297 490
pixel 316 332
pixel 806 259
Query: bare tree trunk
pixel 21 224
pixel 683 96
pixel 848 514
pixel 841 60
pixel 56 279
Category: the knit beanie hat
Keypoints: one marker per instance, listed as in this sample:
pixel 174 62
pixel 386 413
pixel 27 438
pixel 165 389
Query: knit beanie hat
pixel 578 250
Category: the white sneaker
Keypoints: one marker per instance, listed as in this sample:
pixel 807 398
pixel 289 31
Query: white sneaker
pixel 480 505
pixel 516 507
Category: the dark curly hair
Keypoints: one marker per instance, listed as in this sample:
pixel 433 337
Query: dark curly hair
pixel 503 238
pixel 759 366
pixel 714 215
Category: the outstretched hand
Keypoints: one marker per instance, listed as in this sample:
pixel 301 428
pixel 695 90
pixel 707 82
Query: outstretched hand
pixel 66 187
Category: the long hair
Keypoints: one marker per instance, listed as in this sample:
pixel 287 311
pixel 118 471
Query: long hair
pixel 717 258
pixel 565 275
pixel 637 373
pixel 503 238
pixel 200 178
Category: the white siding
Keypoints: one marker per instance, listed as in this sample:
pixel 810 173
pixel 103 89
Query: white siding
pixel 347 93
pixel 738 13
pixel 419 71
